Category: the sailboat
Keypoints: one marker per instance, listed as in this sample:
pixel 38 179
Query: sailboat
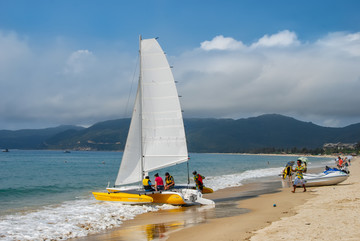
pixel 156 137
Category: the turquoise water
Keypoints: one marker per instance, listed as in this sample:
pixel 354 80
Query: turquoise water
pixel 53 187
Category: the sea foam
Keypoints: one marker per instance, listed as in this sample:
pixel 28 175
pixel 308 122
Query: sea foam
pixel 237 179
pixel 70 220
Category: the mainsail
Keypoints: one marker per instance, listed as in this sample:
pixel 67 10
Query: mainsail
pixel 156 136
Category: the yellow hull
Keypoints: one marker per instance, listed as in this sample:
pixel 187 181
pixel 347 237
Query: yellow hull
pixel 207 190
pixel 123 197
pixel 129 198
pixel 167 198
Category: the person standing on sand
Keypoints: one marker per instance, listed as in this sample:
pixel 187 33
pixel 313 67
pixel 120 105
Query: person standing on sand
pixel 198 181
pixel 299 179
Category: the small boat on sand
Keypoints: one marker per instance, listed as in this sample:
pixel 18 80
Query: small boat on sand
pixel 325 178
pixel 156 137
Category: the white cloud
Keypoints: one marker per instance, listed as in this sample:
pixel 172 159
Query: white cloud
pixel 341 41
pixel 55 85
pixel 221 43
pixel 282 39
pixel 315 81
pixel 79 61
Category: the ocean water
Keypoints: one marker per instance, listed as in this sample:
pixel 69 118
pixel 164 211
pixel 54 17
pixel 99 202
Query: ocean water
pixel 46 195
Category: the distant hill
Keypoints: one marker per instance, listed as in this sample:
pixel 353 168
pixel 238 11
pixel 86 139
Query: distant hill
pixel 107 135
pixel 203 135
pixel 31 138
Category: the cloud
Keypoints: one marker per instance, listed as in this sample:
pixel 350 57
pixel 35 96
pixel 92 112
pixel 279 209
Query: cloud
pixel 278 73
pixel 78 61
pixel 315 81
pixel 57 85
pixel 341 41
pixel 282 39
pixel 221 43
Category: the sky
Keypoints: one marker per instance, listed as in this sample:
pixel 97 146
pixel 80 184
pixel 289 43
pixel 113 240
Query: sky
pixel 75 62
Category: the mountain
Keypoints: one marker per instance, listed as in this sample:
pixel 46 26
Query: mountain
pixel 203 135
pixel 31 138
pixel 107 135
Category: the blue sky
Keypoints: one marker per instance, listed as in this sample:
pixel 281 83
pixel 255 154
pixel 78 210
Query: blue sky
pixel 72 62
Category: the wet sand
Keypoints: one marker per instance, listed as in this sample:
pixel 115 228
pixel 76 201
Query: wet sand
pixel 332 214
pixel 159 225
pixel 240 213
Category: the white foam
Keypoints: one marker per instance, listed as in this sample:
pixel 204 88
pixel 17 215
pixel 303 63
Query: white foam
pixel 70 220
pixel 237 179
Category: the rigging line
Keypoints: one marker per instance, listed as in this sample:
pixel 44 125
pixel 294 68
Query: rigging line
pixel 126 108
pixel 131 86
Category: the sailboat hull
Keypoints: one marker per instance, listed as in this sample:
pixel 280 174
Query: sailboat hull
pixel 130 198
pixel 173 197
pixel 127 198
pixel 207 190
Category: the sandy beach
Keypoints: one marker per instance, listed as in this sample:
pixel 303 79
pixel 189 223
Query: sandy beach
pixel 321 213
pixel 332 214
pixel 242 214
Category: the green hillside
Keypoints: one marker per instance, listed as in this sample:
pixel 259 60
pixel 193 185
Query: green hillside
pixel 203 135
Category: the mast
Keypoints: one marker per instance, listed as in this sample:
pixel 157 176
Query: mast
pixel 141 115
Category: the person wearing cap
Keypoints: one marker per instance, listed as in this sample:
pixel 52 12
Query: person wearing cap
pixel 198 181
pixel 147 184
pixel 169 181
pixel 299 179
pixel 159 183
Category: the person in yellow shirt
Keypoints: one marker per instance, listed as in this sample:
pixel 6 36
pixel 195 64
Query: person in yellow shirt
pixel 147 184
pixel 299 178
pixel 169 181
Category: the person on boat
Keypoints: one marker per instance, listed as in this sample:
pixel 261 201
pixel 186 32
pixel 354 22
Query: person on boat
pixel 198 181
pixel 147 184
pixel 169 181
pixel 159 183
pixel 299 179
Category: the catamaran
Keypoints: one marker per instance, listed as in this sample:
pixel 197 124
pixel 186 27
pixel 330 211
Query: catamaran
pixel 156 137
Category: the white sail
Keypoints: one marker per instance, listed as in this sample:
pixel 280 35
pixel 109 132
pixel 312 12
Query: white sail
pixel 159 122
pixel 130 168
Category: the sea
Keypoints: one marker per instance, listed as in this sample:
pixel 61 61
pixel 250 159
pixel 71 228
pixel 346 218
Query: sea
pixel 46 195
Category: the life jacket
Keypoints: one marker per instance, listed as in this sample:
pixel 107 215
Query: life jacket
pixel 286 172
pixel 169 179
pixel 198 179
pixel 146 182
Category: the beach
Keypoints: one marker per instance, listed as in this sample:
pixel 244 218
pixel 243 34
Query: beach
pixel 246 189
pixel 321 213
pixel 332 213
pixel 313 215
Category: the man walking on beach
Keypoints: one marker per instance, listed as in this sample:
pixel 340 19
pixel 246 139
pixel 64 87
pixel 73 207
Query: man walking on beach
pixel 198 181
pixel 299 179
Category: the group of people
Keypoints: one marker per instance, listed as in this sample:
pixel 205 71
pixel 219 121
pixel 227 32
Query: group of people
pixel 169 182
pixel 343 162
pixel 159 183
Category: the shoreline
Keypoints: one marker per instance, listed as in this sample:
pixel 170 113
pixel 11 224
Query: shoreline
pixel 308 216
pixel 332 214
pixel 252 210
pixel 163 223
